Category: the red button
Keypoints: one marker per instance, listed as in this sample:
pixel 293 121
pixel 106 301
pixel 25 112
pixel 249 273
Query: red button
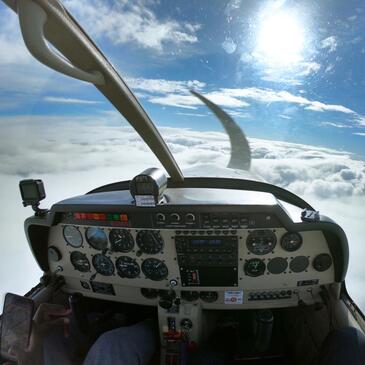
pixel 124 217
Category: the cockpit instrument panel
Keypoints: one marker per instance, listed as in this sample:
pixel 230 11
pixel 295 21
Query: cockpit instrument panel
pixel 245 252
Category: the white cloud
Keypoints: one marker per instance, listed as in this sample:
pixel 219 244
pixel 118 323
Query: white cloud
pixel 352 18
pixel 61 100
pixel 272 96
pixel 191 102
pixel 192 114
pixel 177 94
pixel 132 22
pixel 177 100
pixel 162 86
pixel 307 68
pixel 329 43
pixel 360 119
pixel 335 124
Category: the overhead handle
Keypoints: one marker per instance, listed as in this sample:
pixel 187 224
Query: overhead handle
pixel 32 19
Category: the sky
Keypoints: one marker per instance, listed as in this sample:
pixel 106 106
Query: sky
pixel 289 72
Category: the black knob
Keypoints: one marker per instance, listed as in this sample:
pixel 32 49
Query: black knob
pixel 167 299
pixel 165 303
pixel 186 324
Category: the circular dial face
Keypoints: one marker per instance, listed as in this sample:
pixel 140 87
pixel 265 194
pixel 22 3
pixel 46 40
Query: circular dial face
pixel 149 242
pixel 96 238
pixel 72 236
pixel 261 242
pixel 127 267
pixel 322 262
pixel 299 264
pixel 254 267
pixel 209 296
pixel 79 261
pixel 190 296
pixel 121 240
pixel 154 269
pixel 277 265
pixel 291 241
pixel 103 265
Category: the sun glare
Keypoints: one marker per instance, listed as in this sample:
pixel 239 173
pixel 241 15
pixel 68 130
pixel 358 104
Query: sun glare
pixel 280 39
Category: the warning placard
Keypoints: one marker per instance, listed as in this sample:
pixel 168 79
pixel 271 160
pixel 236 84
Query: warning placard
pixel 233 297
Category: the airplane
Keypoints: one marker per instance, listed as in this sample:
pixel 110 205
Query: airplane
pixel 219 254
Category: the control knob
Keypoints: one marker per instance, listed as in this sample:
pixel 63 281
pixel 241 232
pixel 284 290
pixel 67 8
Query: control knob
pixel 190 218
pixel 175 217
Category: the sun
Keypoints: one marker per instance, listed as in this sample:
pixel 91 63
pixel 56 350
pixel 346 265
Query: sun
pixel 280 39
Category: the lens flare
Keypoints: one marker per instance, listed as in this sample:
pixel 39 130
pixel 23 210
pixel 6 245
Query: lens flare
pixel 280 39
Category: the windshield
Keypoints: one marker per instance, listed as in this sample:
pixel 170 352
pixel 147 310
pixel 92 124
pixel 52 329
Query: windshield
pixel 290 73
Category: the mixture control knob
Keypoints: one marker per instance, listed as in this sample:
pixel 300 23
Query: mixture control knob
pixel 186 324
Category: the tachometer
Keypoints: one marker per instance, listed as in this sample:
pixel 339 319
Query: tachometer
pixel 103 265
pixel 261 242
pixel 209 296
pixel 121 240
pixel 190 296
pixel 154 269
pixel 149 293
pixel 254 267
pixel 322 262
pixel 291 241
pixel 79 261
pixel 96 238
pixel 127 267
pixel 277 265
pixel 72 236
pixel 149 242
pixel 299 263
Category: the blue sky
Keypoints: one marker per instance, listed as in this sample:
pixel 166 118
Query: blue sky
pixel 286 70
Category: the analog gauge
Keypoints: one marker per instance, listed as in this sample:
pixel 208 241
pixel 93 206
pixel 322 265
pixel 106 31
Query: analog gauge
pixel 190 296
pixel 149 293
pixel 291 241
pixel 149 242
pixel 72 236
pixel 121 240
pixel 209 296
pixel 322 262
pixel 254 267
pixel 261 242
pixel 127 267
pixel 103 265
pixel 79 261
pixel 277 265
pixel 299 263
pixel 154 269
pixel 96 238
